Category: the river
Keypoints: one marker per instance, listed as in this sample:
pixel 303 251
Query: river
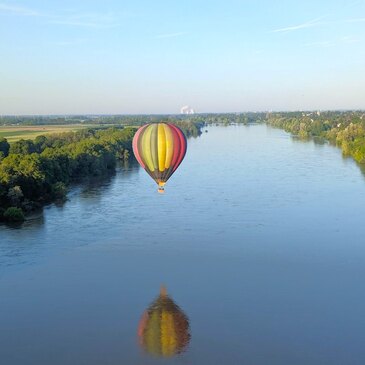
pixel 259 239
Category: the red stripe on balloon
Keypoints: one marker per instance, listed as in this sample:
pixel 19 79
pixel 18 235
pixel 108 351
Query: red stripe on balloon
pixel 182 149
pixel 177 146
pixel 143 324
pixel 135 145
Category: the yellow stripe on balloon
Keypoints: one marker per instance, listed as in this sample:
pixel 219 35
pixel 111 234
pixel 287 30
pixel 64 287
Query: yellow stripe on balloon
pixel 154 153
pixel 168 335
pixel 169 145
pixel 173 338
pixel 146 148
pixel 161 147
pixel 152 335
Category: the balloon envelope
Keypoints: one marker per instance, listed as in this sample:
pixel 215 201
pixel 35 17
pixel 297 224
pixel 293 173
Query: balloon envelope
pixel 159 148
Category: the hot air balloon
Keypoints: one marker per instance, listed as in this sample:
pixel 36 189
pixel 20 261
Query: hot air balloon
pixel 159 148
pixel 164 328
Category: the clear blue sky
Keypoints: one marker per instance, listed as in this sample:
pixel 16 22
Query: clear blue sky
pixel 113 56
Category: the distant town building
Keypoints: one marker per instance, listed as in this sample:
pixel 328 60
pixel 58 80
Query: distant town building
pixel 186 109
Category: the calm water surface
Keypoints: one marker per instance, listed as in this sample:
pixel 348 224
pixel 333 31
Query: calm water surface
pixel 259 241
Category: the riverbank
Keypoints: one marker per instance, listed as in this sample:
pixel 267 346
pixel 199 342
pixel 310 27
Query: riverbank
pixel 36 172
pixel 346 130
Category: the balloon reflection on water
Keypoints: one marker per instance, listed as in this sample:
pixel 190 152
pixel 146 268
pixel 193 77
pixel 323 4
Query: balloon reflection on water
pixel 164 328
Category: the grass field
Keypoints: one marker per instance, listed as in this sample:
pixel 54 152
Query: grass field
pixel 13 134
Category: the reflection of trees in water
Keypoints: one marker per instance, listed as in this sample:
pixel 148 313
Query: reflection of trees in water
pixel 129 167
pixel 89 188
pixel 362 169
pixel 22 243
pixel 164 328
pixel 95 187
pixel 319 142
pixel 16 248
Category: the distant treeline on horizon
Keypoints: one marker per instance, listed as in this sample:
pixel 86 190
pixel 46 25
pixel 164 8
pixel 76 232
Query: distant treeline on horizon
pixel 137 120
pixel 130 120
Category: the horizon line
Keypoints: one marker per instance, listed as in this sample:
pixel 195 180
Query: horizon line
pixel 181 114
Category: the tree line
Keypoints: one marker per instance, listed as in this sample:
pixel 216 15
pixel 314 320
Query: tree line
pixel 33 173
pixel 343 129
pixel 187 121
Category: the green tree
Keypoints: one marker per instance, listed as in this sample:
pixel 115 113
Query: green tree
pixel 15 195
pixel 4 147
pixel 13 214
pixel 23 147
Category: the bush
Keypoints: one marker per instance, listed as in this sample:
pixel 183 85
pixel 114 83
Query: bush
pixel 15 195
pixel 13 214
pixel 59 190
pixel 4 147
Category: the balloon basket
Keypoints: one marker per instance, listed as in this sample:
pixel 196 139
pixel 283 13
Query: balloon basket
pixel 161 187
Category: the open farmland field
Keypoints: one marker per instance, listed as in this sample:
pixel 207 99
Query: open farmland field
pixel 13 134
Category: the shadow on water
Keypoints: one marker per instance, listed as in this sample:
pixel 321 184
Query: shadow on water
pixel 164 329
pixel 91 188
pixel 24 241
pixel 361 167
pixel 318 141
pixel 96 186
